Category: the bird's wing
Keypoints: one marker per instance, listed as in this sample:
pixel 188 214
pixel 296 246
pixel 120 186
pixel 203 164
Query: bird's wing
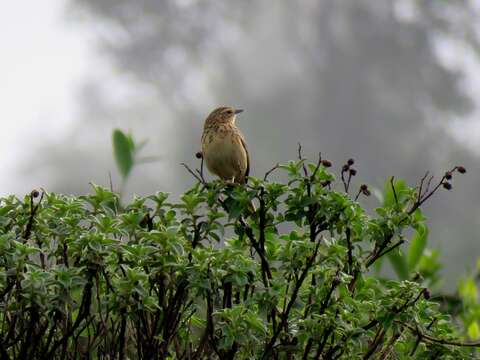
pixel 247 171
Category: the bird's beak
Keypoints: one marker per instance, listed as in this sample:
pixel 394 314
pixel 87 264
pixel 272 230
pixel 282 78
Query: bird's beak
pixel 238 111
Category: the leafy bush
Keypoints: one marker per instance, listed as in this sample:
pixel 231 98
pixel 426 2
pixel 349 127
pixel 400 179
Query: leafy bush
pixel 211 277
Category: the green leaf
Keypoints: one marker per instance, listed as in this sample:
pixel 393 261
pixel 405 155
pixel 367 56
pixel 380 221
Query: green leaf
pixel 123 148
pixel 400 188
pixel 473 331
pixel 468 290
pixel 397 259
pixel 417 247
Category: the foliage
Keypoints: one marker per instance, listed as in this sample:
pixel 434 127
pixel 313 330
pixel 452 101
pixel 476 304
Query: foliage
pixel 125 152
pixel 207 277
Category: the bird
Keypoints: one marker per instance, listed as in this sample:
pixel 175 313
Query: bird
pixel 224 149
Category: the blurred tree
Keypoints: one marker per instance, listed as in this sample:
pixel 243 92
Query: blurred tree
pixel 355 78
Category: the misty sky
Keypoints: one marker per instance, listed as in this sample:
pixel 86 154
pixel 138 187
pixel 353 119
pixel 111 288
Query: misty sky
pixel 44 59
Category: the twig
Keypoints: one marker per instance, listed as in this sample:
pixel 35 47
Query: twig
pixel 344 181
pixel 33 211
pixel 418 332
pixel 300 157
pixel 299 150
pixel 383 253
pixel 110 181
pixel 319 162
pixel 393 189
pixel 335 283
pixel 348 234
pixel 200 172
pixel 427 194
pixel 419 338
pixel 358 194
pixel 293 298
pixel 420 187
pixel 379 336
pixel 270 171
pixel 192 172
pixel 210 324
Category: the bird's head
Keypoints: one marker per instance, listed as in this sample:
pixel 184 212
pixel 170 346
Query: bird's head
pixel 222 115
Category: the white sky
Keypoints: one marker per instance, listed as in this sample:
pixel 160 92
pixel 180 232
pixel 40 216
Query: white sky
pixel 42 61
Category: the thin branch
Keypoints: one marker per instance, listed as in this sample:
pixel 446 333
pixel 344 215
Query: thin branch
pixel 200 172
pixel 300 157
pixel 420 187
pixel 418 332
pixel 299 151
pixel 392 184
pixel 325 302
pixel 192 173
pixel 428 193
pixel 348 234
pixel 383 253
pixel 319 162
pixel 110 181
pixel 344 181
pixel 293 298
pixel 379 336
pixel 270 171
pixel 358 194
pixel 33 211
pixel 419 338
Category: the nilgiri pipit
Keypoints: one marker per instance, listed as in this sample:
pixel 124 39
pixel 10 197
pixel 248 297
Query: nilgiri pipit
pixel 223 146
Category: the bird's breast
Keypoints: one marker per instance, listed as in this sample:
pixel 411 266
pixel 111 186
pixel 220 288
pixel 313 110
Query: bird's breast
pixel 223 153
pixel 217 146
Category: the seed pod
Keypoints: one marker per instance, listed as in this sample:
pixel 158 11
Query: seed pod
pixel 326 163
pixel 426 294
pixel 447 185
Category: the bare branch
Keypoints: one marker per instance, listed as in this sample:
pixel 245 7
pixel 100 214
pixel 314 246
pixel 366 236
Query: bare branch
pixel 270 171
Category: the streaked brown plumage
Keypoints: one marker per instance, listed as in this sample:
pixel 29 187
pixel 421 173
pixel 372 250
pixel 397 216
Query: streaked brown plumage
pixel 223 146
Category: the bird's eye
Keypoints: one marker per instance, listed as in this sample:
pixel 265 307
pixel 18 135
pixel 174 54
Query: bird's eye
pixel 229 112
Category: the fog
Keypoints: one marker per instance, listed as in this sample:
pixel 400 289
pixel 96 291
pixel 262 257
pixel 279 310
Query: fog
pixel 393 84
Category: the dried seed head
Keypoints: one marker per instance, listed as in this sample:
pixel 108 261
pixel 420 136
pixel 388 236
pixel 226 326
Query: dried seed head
pixel 345 168
pixel 326 163
pixel 326 183
pixel 448 175
pixel 364 189
pixel 426 294
pixel 461 169
pixel 350 162
pixel 353 172
pixel 447 185
pixel 199 155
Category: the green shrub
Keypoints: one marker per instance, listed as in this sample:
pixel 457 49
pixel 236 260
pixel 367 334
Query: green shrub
pixel 209 277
